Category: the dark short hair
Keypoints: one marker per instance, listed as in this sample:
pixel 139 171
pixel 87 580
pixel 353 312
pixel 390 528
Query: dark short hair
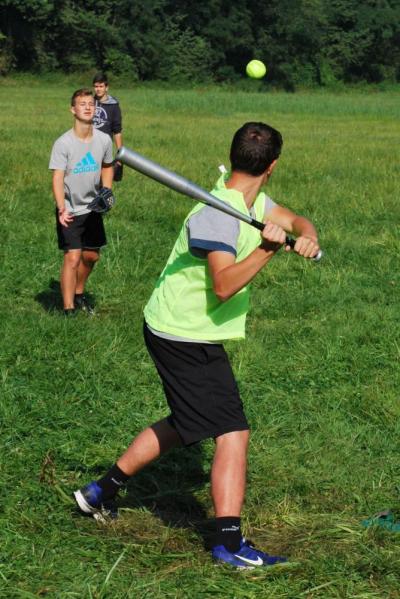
pixel 254 147
pixel 100 78
pixel 84 91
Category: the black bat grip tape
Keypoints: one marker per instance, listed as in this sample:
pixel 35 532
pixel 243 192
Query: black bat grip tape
pixel 260 226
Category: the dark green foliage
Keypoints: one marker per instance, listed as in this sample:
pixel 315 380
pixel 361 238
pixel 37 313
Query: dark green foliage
pixel 303 42
pixel 364 44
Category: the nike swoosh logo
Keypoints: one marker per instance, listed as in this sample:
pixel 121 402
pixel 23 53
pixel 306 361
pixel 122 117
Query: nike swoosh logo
pixel 253 562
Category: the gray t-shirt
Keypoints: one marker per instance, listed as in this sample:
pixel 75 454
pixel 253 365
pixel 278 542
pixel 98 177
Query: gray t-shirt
pixel 81 162
pixel 212 230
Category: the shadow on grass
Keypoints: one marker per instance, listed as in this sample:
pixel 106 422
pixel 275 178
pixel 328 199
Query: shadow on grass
pixel 51 299
pixel 167 488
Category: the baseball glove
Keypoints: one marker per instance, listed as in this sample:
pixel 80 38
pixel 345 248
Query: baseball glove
pixel 103 202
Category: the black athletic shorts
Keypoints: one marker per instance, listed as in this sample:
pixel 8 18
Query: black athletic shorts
pixel 84 232
pixel 200 388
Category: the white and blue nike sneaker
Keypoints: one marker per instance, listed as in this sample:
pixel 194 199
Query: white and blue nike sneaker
pixel 247 556
pixel 91 503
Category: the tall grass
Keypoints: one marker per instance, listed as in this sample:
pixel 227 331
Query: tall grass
pixel 318 372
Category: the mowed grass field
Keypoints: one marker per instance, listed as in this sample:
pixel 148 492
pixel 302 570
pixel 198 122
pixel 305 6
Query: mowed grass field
pixel 319 371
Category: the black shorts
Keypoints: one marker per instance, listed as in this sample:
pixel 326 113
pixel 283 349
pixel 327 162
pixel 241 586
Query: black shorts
pixel 200 388
pixel 85 232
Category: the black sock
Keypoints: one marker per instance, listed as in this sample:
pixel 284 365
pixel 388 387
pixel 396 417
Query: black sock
pixel 228 532
pixel 112 482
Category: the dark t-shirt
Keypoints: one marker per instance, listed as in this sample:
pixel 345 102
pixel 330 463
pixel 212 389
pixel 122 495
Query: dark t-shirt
pixel 107 117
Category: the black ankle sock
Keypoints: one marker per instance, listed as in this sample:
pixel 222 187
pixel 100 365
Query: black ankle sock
pixel 112 482
pixel 228 532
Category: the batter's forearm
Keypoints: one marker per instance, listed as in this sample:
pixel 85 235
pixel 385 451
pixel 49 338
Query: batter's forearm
pixel 231 279
pixel 302 227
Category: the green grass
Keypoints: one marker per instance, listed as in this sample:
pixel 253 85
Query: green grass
pixel 318 372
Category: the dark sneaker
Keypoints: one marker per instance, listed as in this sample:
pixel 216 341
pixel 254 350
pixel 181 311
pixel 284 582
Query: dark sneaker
pixel 247 557
pixel 81 303
pixel 68 312
pixel 91 503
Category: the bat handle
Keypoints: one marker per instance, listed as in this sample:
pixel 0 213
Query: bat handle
pixel 292 242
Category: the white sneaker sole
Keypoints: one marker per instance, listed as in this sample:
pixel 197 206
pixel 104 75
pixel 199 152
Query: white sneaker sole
pixel 83 504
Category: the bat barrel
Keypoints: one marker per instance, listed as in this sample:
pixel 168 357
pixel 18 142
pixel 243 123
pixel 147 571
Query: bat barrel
pixel 178 183
pixel 154 171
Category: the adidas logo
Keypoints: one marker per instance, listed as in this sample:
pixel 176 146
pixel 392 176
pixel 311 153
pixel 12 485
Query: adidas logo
pixel 86 165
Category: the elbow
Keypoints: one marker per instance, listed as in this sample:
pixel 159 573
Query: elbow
pixel 222 294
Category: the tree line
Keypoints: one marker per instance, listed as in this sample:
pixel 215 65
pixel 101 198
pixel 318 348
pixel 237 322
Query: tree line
pixel 303 42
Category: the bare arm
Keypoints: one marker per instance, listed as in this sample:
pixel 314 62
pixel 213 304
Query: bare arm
pixel 107 173
pixel 229 276
pixel 58 192
pixel 118 143
pixel 117 127
pixel 307 236
pixel 118 140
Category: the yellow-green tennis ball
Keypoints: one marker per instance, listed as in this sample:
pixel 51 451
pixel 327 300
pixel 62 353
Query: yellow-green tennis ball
pixel 256 69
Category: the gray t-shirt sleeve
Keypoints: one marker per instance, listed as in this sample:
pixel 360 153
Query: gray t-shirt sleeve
pixel 59 156
pixel 108 154
pixel 269 205
pixel 212 230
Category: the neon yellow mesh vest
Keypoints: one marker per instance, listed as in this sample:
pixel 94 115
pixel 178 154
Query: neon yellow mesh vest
pixel 183 302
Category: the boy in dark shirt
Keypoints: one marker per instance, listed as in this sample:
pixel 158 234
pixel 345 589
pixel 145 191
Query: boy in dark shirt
pixel 107 116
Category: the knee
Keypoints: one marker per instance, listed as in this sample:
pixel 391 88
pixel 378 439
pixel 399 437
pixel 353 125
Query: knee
pixel 90 258
pixel 236 440
pixel 72 260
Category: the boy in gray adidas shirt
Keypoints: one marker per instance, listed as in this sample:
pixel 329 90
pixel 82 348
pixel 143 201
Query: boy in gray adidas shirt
pixel 81 161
